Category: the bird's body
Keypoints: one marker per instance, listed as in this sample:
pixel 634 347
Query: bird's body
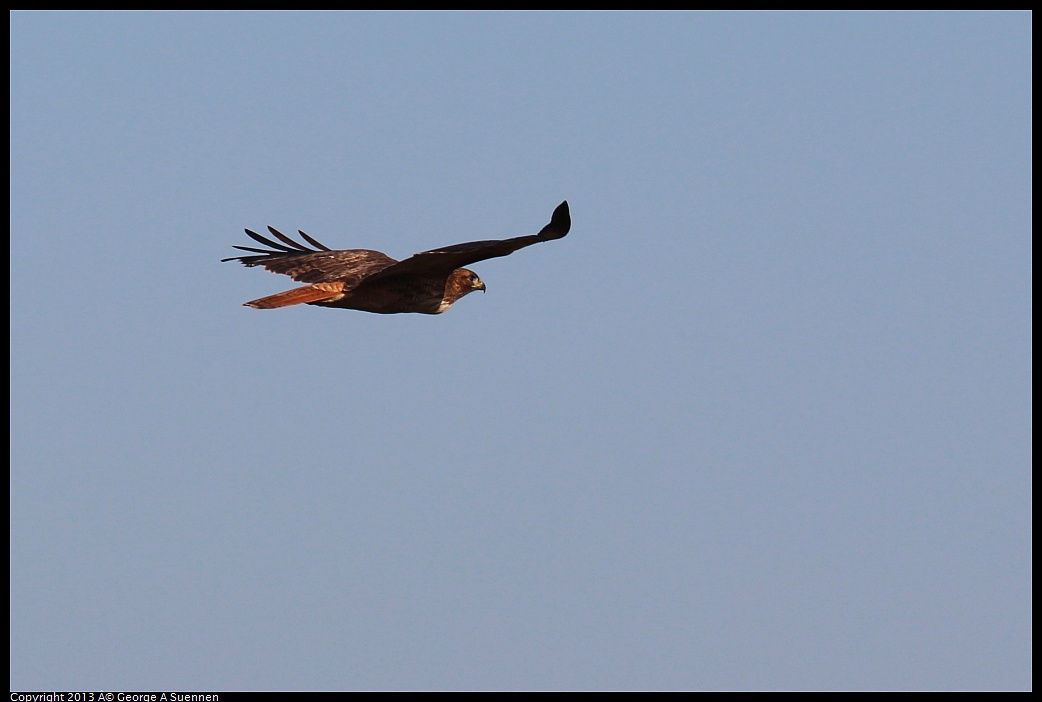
pixel 370 281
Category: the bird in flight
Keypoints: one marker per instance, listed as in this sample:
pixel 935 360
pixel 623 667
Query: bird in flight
pixel 370 281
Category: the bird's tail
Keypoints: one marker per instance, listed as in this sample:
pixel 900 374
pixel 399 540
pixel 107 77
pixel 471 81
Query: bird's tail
pixel 309 293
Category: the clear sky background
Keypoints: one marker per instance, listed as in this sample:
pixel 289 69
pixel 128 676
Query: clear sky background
pixel 761 421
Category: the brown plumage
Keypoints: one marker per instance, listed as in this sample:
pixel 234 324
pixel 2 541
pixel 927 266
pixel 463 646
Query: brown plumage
pixel 359 279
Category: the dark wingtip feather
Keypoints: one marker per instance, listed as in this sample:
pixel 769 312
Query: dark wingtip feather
pixel 252 250
pixel 267 242
pixel 560 223
pixel 248 260
pixel 285 239
pixel 314 243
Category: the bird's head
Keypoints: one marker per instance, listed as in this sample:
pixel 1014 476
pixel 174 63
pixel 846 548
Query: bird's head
pixel 461 282
pixel 470 280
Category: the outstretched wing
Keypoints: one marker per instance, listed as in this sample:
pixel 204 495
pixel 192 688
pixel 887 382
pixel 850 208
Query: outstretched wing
pixel 447 259
pixel 317 265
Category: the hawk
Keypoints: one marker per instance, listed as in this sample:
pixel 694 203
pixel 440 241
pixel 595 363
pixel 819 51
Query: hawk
pixel 370 281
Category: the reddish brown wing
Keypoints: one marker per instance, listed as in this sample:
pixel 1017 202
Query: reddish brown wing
pixel 445 260
pixel 318 265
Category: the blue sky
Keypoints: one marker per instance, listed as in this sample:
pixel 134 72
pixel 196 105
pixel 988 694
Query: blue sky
pixel 761 421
